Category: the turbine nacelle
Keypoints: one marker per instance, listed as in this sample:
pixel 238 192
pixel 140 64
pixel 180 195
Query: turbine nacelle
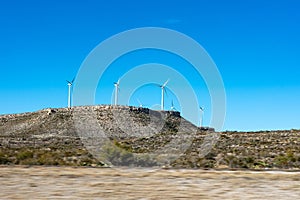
pixel 117 83
pixel 70 82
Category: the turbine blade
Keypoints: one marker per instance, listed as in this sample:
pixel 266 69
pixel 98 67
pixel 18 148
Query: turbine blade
pixel 139 101
pixel 156 84
pixel 73 80
pixel 164 85
pixel 165 90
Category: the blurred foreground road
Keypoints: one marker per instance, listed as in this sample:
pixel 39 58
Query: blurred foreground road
pixel 21 182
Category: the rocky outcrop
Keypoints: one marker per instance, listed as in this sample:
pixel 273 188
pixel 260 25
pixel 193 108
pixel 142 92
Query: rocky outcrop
pixel 71 137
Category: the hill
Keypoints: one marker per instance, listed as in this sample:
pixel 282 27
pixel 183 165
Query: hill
pixel 131 136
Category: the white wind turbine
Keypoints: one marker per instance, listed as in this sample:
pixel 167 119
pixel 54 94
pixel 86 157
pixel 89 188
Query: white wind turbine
pixel 70 83
pixel 173 107
pixel 117 88
pixel 201 115
pixel 163 93
pixel 140 104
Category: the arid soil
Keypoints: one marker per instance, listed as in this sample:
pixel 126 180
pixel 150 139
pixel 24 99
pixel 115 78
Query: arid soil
pixel 70 137
pixel 21 182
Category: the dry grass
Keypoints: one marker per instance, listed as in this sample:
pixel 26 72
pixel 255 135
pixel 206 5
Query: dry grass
pixel 20 182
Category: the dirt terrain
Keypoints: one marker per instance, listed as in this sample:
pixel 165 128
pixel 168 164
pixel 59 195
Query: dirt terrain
pixel 69 137
pixel 19 182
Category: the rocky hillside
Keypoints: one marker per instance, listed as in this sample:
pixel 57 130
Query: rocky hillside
pixel 131 136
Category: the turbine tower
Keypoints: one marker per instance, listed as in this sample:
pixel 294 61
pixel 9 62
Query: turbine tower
pixel 116 84
pixel 201 116
pixel 70 84
pixel 163 93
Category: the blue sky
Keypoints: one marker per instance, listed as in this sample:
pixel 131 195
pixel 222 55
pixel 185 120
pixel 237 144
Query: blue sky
pixel 255 45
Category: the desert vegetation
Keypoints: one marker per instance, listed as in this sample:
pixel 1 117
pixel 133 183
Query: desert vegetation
pixel 50 137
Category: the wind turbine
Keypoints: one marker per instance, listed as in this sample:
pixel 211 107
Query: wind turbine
pixel 163 93
pixel 70 83
pixel 140 104
pixel 173 107
pixel 116 84
pixel 201 115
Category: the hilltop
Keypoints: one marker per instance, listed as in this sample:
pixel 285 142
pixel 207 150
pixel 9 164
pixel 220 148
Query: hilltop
pixel 67 137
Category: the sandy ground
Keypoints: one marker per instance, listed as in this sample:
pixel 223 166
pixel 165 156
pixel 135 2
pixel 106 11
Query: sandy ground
pixel 21 182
